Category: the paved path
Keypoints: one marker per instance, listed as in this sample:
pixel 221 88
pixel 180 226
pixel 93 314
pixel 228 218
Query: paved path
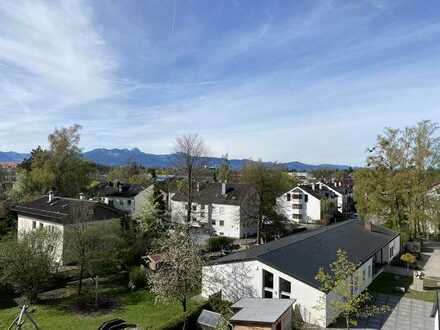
pixel 405 314
pixel 432 250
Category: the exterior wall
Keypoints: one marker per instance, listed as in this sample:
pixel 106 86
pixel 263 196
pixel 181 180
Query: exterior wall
pixel 245 279
pixel 141 199
pixel 25 223
pixel 225 220
pixel 222 219
pixel 436 321
pixel 395 244
pixel 311 210
pixel 121 203
pixel 252 327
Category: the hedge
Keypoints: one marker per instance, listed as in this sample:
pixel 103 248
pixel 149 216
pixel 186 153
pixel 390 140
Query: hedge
pixel 217 243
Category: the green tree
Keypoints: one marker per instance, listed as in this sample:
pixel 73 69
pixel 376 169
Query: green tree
pixel 61 167
pixel 342 286
pixel 98 249
pixel 329 210
pixel 29 262
pixel 401 169
pixel 269 183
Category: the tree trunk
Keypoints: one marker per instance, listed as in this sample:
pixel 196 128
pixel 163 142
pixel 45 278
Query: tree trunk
pixel 184 304
pixel 347 322
pixel 81 275
pixel 189 202
pixel 96 292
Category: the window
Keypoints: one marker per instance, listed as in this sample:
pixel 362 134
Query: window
pixel 222 222
pixel 194 207
pixel 202 214
pixel 297 196
pixel 297 206
pixel 213 222
pixel 221 210
pixel 297 216
pixel 267 279
pixel 34 224
pixel 186 206
pixel 194 219
pixel 364 276
pixel 121 202
pixel 202 206
pixel 268 294
pixel 41 225
pixel 288 197
pixel 285 288
pixel 306 198
pixel 129 202
pixel 369 271
pixel 391 252
pixel 221 233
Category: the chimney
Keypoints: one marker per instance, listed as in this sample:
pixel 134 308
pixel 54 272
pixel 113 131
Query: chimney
pixel 82 196
pixel 51 196
pixel 224 188
pixel 320 185
pixel 368 226
pixel 313 186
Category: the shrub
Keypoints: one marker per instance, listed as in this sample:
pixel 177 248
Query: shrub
pixel 218 243
pixel 137 277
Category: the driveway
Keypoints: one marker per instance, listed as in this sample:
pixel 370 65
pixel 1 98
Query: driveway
pixel 431 250
pixel 405 314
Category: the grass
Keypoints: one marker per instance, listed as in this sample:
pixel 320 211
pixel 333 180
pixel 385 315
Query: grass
pixel 134 307
pixel 386 283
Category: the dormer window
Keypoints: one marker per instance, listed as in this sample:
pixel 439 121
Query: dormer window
pixel 288 197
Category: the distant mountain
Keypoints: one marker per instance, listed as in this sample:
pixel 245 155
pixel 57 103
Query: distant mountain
pixel 11 156
pixel 115 157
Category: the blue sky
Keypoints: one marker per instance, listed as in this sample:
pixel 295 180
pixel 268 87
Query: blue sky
pixel 313 81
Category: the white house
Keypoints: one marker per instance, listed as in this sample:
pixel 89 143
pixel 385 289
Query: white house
pixel 344 195
pixel 61 214
pixel 286 268
pixel 225 209
pixel 303 203
pixel 124 197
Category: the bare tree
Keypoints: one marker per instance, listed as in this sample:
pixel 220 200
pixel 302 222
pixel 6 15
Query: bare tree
pixel 190 152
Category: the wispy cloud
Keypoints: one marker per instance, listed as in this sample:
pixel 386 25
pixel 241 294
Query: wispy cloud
pixel 312 81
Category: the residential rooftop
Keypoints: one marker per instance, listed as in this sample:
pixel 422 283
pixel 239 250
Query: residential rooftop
pixel 208 193
pixel 260 310
pixel 66 211
pixel 301 255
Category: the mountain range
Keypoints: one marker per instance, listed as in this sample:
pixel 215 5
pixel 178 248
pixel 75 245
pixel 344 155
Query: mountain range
pixel 115 157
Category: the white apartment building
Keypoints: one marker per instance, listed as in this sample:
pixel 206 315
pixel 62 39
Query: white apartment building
pixel 343 193
pixel 225 209
pixel 60 214
pixel 303 203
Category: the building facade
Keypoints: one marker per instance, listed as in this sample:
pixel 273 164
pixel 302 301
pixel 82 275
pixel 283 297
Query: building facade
pixel 224 209
pixel 286 268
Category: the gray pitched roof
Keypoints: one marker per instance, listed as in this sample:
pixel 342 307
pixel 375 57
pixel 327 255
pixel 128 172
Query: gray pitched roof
pixel 260 310
pixel 209 319
pixel 301 255
pixel 212 193
pixel 61 210
pixel 121 190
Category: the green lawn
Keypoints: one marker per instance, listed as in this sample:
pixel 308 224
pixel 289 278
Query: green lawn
pixel 137 307
pixel 386 283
